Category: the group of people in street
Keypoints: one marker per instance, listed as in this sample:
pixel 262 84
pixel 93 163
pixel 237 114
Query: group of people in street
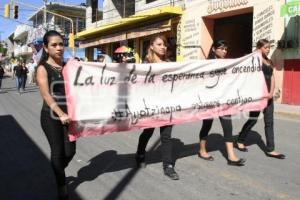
pixel 22 72
pixel 54 117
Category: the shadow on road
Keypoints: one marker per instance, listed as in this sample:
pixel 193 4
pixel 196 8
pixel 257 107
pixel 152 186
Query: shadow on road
pixel 24 170
pixel 255 138
pixel 111 161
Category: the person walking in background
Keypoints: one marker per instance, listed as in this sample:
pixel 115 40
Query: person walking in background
pixel 218 50
pixel 17 71
pixel 31 71
pixel 101 59
pixel 54 117
pixel 24 72
pixel 157 54
pixel 267 67
pixel 1 77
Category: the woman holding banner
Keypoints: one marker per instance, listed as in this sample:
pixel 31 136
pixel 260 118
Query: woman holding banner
pixel 218 50
pixel 267 67
pixel 54 117
pixel 157 53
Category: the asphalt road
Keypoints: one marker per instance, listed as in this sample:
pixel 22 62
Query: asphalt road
pixel 104 167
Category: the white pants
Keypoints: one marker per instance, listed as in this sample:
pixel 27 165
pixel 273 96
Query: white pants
pixel 30 77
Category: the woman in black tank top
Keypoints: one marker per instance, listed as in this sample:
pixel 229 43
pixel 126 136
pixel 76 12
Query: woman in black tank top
pixel 267 67
pixel 54 117
pixel 156 54
pixel 218 50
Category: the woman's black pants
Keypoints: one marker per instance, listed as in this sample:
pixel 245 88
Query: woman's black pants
pixel 62 150
pixel 226 125
pixel 269 125
pixel 166 143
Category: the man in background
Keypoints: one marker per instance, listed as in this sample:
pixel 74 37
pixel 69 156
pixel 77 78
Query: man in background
pixel 31 66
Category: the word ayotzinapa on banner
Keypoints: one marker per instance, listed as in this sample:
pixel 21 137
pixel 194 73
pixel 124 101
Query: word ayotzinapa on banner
pixel 105 98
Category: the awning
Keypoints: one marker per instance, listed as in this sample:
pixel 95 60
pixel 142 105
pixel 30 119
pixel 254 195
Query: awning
pixel 102 40
pixel 148 15
pixel 290 9
pixel 129 34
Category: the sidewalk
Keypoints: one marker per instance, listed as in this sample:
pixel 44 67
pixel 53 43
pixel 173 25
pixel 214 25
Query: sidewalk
pixel 285 110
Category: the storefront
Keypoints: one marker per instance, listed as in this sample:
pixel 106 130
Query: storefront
pixel 291 74
pixel 134 32
pixel 242 23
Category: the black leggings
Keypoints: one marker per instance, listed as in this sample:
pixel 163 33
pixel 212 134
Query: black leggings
pixel 226 125
pixel 166 143
pixel 269 125
pixel 62 150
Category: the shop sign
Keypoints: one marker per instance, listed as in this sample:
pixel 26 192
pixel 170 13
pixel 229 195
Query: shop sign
pixel 290 9
pixel 221 5
pixel 263 24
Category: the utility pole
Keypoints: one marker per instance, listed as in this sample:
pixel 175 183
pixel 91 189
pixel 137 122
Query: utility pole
pixel 45 14
pixel 124 5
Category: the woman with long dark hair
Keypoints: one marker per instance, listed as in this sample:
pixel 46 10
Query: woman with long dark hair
pixel 54 117
pixel 218 50
pixel 157 54
pixel 267 67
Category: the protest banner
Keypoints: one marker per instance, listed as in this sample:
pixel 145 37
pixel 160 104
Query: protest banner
pixel 111 97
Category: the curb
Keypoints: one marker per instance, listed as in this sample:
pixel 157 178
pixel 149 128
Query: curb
pixel 290 115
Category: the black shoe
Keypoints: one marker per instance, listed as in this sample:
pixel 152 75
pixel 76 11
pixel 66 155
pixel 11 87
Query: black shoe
pixel 140 160
pixel 235 144
pixel 65 197
pixel 209 158
pixel 240 162
pixel 171 173
pixel 279 156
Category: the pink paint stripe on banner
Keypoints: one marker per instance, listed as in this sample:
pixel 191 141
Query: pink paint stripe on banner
pixel 183 117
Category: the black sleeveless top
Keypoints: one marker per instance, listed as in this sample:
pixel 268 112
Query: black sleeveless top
pixel 268 72
pixel 56 88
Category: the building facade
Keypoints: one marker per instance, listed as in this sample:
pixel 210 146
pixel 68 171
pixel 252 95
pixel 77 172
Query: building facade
pixel 21 50
pixel 242 23
pixel 125 23
pixel 47 21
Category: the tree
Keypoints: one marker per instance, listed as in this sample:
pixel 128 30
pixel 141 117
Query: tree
pixel 3 50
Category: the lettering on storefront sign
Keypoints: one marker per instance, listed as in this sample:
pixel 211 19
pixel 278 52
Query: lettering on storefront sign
pixel 190 39
pixel 224 4
pixel 179 32
pixel 290 9
pixel 294 9
pixel 264 24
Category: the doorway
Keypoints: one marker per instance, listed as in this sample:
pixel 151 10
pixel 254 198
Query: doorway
pixel 237 31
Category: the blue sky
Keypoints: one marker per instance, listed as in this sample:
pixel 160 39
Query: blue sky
pixel 8 26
